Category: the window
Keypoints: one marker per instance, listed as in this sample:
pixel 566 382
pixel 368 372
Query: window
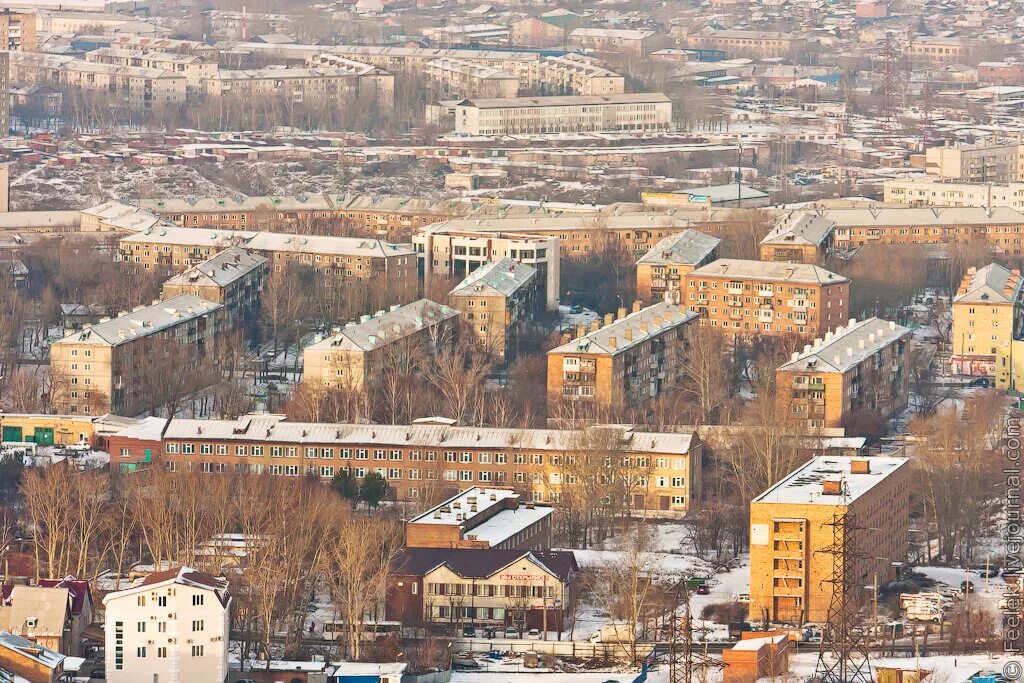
pixel 161 652
pixel 197 650
pixel 140 652
pixel 142 627
pixel 141 601
pixel 161 601
pixel 197 600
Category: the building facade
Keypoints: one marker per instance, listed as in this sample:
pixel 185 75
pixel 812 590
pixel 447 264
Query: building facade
pixel 791 531
pixel 862 365
pixel 498 301
pixel 638 113
pixel 354 356
pixel 623 363
pixel 751 298
pixel 989 161
pixel 931 192
pixel 661 271
pixel 233 278
pixel 988 316
pixel 420 461
pixel 173 627
pixel 98 369
pixel 799 237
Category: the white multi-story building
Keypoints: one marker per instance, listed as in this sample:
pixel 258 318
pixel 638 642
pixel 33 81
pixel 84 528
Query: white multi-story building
pixel 173 627
pixel 631 112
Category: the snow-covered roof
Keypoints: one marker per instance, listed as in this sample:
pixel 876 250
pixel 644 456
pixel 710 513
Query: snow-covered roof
pixel 369 669
pixel 144 321
pixel 454 511
pixel 377 331
pixel 805 484
pixel 275 429
pixel 687 247
pixel 800 227
pixel 504 278
pixel 847 347
pixel 740 269
pixel 626 332
pixel 991 284
pixel 220 270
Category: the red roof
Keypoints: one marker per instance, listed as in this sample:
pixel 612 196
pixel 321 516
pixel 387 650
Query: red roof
pixel 79 590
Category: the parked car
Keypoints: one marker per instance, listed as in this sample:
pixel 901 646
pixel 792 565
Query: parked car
pixel 966 587
pixel 98 674
pixel 490 632
pixel 703 589
pixel 576 309
pixel 468 632
pixel 743 598
pixel 533 634
pixel 986 571
pixel 511 632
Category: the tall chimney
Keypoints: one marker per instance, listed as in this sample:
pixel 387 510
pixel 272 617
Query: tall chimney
pixel 636 306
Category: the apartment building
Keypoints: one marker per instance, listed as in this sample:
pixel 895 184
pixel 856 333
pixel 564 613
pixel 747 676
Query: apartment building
pixel 584 234
pixel 572 74
pixel 859 366
pixel 932 192
pixel 355 355
pixel 195 69
pixel 95 370
pixel 421 460
pixel 445 250
pixel 629 41
pixel 463 78
pixel 737 43
pixel 799 237
pixel 537 32
pixel 116 217
pixel 988 315
pixel 791 530
pixel 173 627
pixel 142 88
pixel 637 112
pixel 18 31
pixel 304 84
pixel 936 50
pixel 488 517
pixel 661 270
pixel 523 589
pixel 498 301
pixel 999 227
pixel 1001 73
pixel 233 278
pixel 989 161
pixel 751 298
pixel 624 362
pixel 388 271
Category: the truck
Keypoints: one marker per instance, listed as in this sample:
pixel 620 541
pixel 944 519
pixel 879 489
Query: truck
pixel 924 612
pixel 616 632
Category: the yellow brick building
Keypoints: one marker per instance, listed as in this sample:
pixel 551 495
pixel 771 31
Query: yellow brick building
pixel 663 269
pixel 987 317
pixel 791 533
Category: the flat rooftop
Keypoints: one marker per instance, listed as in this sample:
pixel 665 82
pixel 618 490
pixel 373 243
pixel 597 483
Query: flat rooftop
pixel 803 486
pixel 452 512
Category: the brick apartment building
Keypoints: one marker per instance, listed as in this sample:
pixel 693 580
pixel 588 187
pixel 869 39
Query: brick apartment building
pixel 750 298
pixel 497 302
pixel 623 363
pixel 96 369
pixel 790 530
pixel 423 460
pixel 355 355
pixel 988 315
pixel 233 278
pixel 862 365
pixel 799 237
pixel 662 269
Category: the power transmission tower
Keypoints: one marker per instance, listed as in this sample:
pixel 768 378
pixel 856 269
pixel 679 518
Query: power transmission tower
pixel 889 84
pixel 683 661
pixel 843 657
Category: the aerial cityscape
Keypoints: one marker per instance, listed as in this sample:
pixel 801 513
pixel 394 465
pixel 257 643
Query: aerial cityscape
pixel 511 341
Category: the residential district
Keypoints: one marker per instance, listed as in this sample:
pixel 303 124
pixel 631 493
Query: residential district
pixel 434 341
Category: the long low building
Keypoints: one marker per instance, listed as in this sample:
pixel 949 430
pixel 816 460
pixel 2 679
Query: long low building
pixel 637 112
pixel 430 460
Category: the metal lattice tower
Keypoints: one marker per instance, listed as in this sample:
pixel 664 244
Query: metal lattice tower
pixel 843 657
pixel 889 84
pixel 683 662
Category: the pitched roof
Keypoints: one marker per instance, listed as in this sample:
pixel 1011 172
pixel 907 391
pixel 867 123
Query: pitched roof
pixel 480 563
pixel 386 328
pixel 624 333
pixel 78 588
pixel 741 269
pixel 800 227
pixel 144 321
pixel 992 284
pixel 36 611
pixel 687 247
pixel 51 659
pixel 221 269
pixel 504 277
pixel 185 576
pixel 847 346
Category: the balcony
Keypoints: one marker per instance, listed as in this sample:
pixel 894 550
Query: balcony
pixel 798 304
pixel 766 291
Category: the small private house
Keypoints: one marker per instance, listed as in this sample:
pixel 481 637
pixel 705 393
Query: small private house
pixel 22 660
pixel 41 614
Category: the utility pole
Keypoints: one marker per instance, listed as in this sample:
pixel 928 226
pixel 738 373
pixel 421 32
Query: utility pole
pixel 682 660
